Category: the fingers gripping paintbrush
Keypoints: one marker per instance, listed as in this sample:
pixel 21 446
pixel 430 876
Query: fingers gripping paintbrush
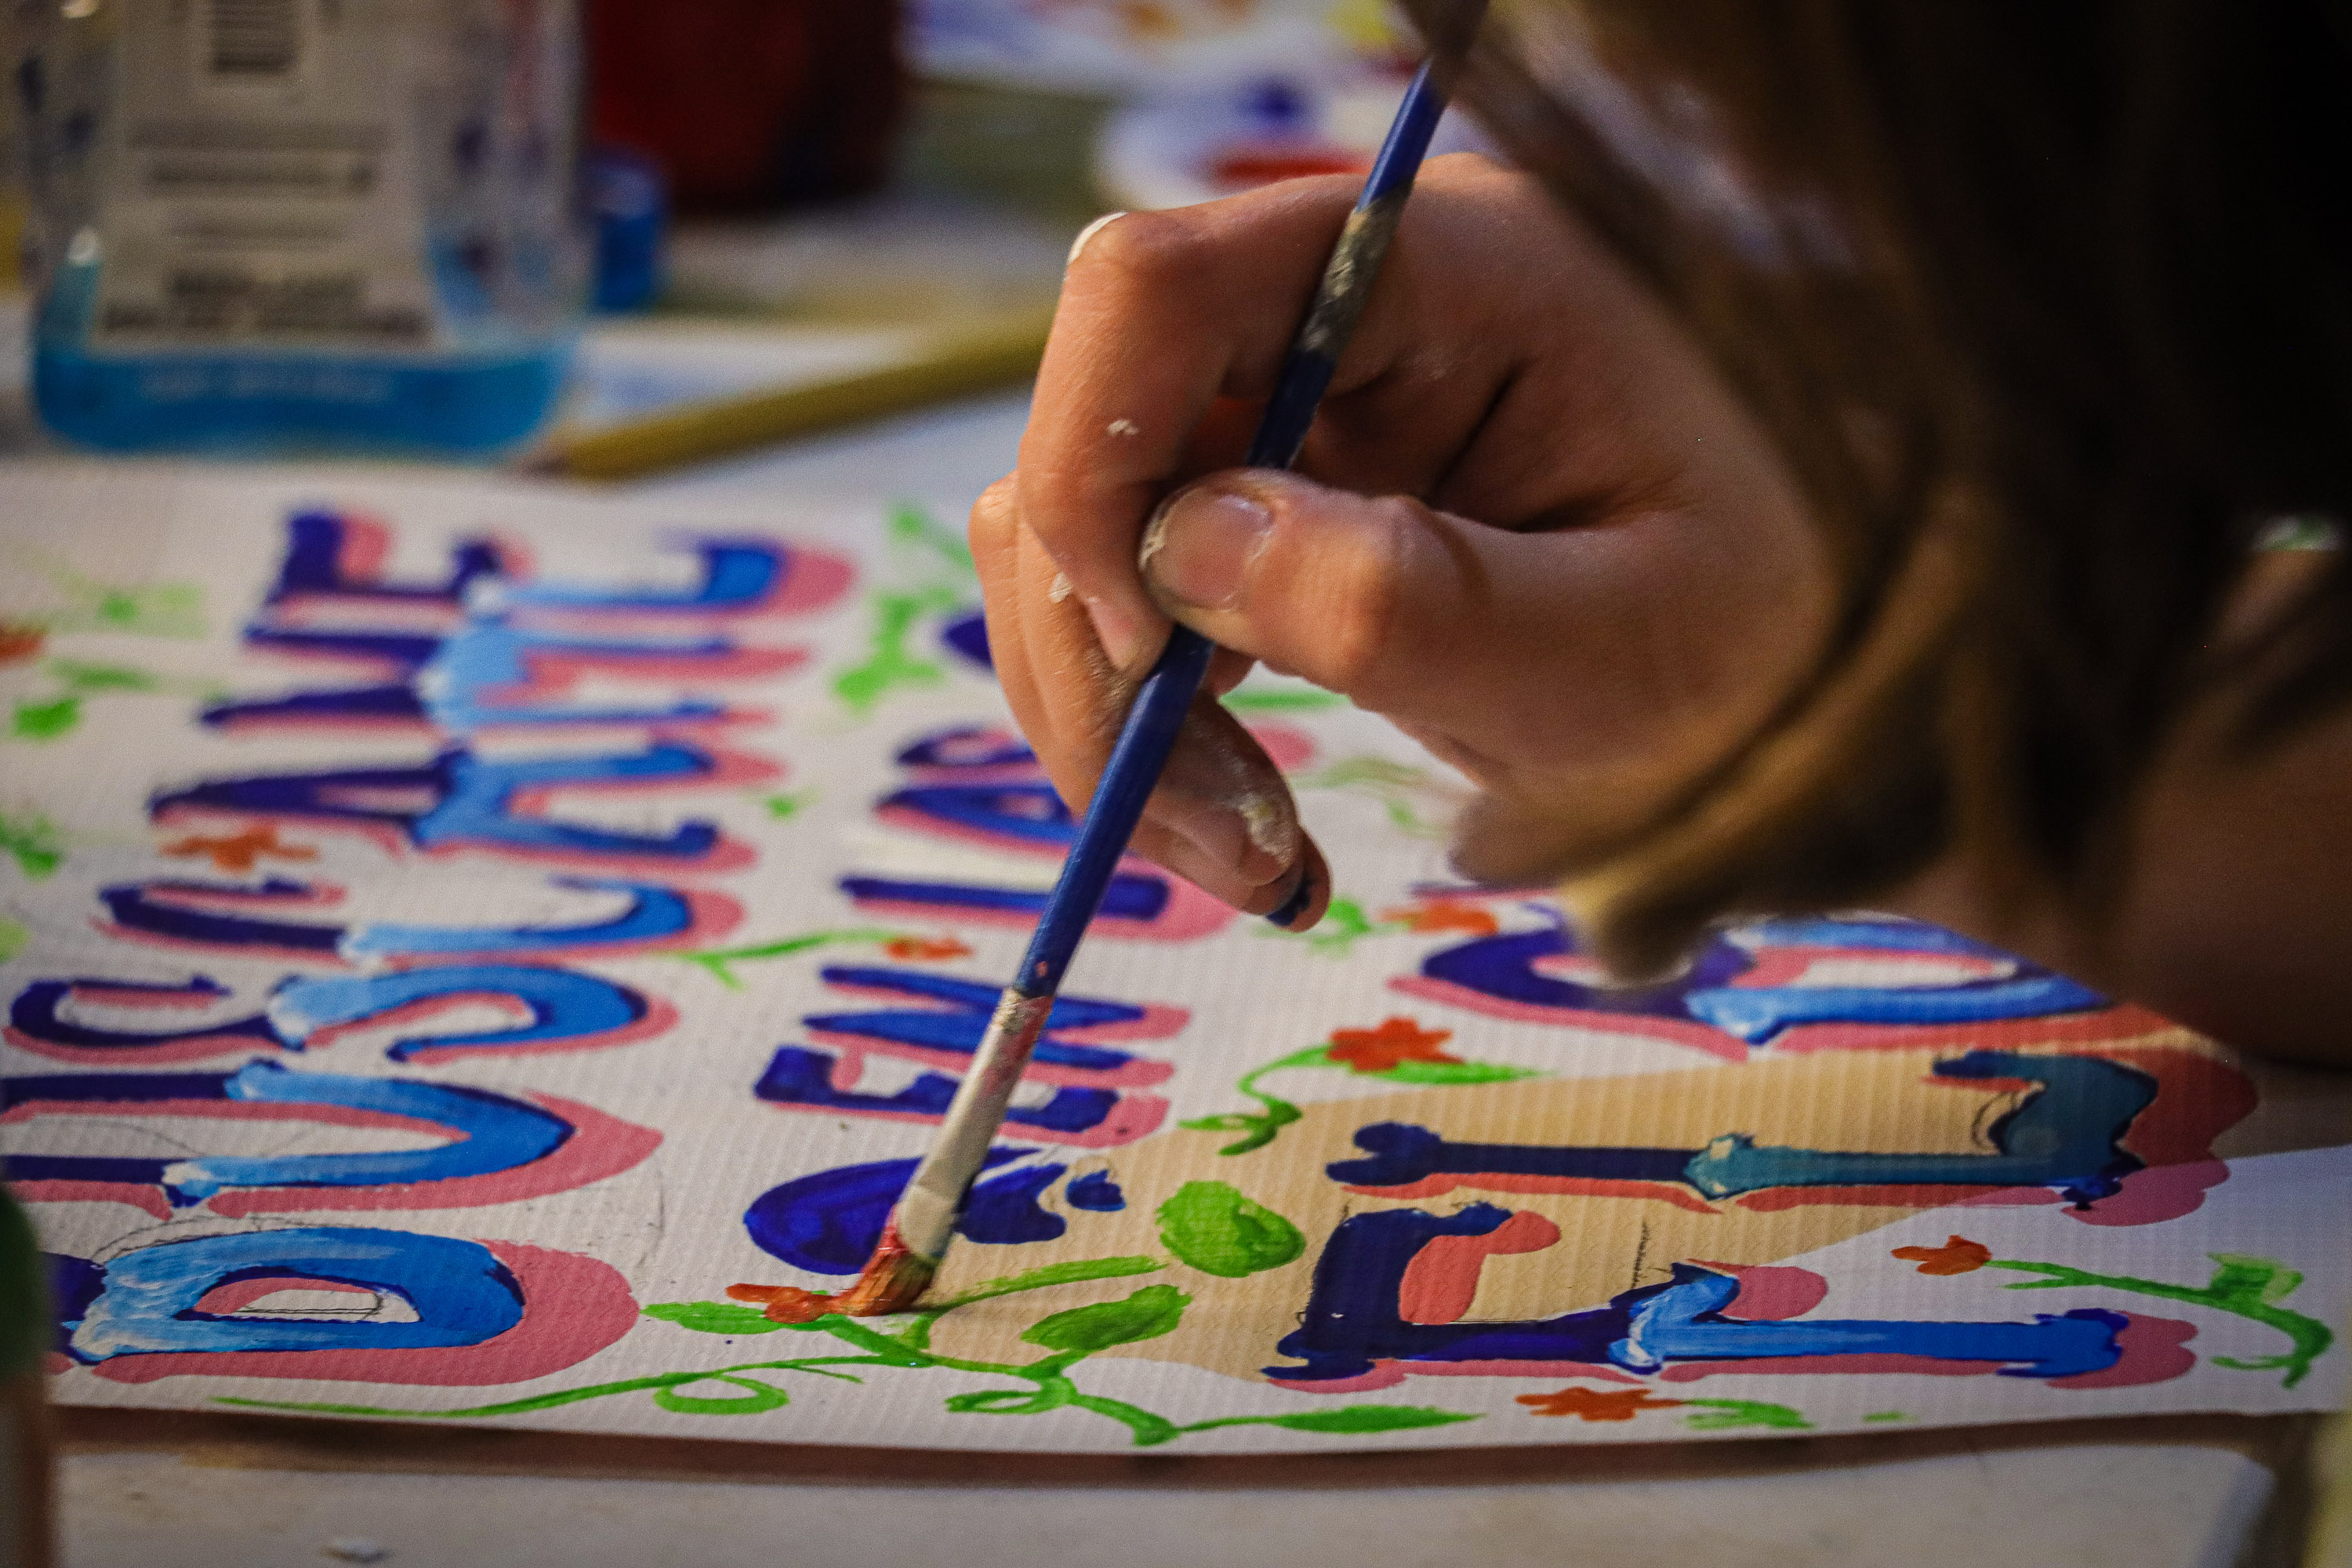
pixel 921 1224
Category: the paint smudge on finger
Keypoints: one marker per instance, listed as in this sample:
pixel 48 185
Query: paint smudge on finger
pixel 1155 538
pixel 1270 828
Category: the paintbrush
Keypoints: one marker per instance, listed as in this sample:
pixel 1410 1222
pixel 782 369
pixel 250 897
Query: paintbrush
pixel 922 1222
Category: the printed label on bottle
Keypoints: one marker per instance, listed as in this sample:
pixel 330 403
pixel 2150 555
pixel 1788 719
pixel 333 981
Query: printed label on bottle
pixel 259 181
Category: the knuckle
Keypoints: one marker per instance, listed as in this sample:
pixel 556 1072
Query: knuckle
pixel 1065 512
pixel 1148 252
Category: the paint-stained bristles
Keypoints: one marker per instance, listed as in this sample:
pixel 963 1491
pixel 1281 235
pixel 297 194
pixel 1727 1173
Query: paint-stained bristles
pixel 893 1280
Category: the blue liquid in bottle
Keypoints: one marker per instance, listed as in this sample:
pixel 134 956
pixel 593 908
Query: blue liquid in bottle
pixel 282 226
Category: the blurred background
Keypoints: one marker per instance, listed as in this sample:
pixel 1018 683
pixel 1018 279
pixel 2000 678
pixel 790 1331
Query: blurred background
pixel 788 190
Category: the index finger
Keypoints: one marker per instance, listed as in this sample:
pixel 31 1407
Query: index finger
pixel 1161 314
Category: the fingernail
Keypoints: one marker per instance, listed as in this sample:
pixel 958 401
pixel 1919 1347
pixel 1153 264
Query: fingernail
pixel 1198 547
pixel 1219 835
pixel 1079 246
pixel 1121 639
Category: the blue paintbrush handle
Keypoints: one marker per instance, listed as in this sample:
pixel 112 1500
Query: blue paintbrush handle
pixel 1347 279
pixel 1127 779
pixel 1160 703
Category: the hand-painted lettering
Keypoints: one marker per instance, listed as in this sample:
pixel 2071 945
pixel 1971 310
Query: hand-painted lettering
pixel 557 1009
pixel 1353 1332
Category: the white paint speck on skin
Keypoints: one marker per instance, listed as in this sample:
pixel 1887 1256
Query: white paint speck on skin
pixel 1155 538
pixel 1078 245
pixel 1122 427
pixel 1269 828
pixel 1060 588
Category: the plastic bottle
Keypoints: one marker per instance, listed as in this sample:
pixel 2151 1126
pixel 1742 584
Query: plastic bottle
pixel 285 226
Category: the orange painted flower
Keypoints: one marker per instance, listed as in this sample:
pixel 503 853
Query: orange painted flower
pixel 1619 1404
pixel 1443 914
pixel 237 852
pixel 19 639
pixel 1957 1255
pixel 919 948
pixel 1396 1041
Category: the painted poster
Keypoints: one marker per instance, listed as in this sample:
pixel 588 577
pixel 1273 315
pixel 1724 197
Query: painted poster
pixel 467 948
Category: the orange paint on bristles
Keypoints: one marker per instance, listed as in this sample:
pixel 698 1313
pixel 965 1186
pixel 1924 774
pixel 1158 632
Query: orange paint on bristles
pixel 893 1280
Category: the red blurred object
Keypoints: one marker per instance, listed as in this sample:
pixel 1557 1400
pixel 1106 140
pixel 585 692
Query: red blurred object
pixel 749 103
pixel 1247 166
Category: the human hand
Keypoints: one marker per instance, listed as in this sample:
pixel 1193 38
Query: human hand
pixel 1531 526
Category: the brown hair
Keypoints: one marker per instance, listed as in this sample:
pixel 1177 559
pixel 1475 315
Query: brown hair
pixel 2050 307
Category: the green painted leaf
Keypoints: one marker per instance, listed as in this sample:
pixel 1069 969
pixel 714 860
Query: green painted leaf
pixel 1351 1420
pixel 1727 1413
pixel 713 1317
pixel 1149 1313
pixel 158 610
pixel 34 842
pixel 764 1396
pixel 48 721
pixel 2264 1279
pixel 1438 1074
pixel 1344 923
pixel 1223 1121
pixel 13 938
pixel 1214 1228
pixel 890 665
pixel 86 677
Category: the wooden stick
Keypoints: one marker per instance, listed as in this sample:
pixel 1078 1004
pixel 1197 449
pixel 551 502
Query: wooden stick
pixel 958 363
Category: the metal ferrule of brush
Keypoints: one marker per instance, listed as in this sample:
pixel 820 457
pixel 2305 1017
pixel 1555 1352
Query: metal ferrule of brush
pixel 927 1210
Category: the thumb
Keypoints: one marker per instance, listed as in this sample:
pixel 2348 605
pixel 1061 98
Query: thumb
pixel 1589 673
pixel 1395 605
